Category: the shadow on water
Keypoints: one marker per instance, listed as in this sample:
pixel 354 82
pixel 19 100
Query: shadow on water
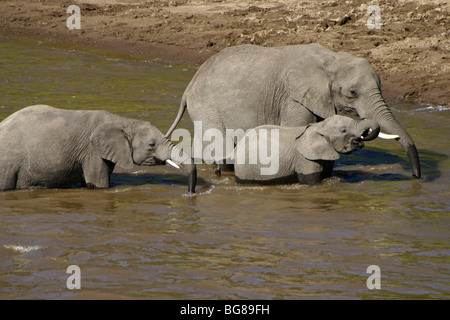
pixel 359 175
pixel 349 168
pixel 150 178
pixel 124 179
pixel 130 179
pixel 429 160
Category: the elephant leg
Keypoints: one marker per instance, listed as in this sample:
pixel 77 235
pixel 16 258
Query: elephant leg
pixel 213 142
pixel 97 173
pixel 310 178
pixel 223 167
pixel 9 170
pixel 8 178
pixel 327 169
pixel 313 172
pixel 321 169
pixel 221 162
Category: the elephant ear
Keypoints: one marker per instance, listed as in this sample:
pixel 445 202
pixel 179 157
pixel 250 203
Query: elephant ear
pixel 314 146
pixel 308 84
pixel 112 143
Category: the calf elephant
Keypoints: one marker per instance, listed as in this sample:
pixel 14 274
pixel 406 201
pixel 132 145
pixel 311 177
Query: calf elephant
pixel 46 147
pixel 305 154
pixel 247 86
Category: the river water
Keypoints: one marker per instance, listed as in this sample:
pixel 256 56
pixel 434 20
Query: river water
pixel 145 238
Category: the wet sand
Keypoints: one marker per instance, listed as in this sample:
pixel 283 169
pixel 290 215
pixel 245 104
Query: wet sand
pixel 410 51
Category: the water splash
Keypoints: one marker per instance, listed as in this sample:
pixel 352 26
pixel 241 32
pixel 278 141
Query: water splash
pixel 23 249
pixel 431 108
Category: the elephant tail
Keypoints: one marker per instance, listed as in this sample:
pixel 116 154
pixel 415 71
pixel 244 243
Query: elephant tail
pixel 183 106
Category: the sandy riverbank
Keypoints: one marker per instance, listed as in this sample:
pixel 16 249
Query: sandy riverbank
pixel 410 51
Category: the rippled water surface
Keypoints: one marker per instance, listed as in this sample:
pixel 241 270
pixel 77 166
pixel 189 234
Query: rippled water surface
pixel 145 238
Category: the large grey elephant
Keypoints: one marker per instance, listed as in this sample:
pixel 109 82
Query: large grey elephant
pixel 247 86
pixel 46 147
pixel 305 154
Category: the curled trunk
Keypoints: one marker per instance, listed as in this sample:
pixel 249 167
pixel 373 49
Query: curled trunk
pixel 369 129
pixel 376 108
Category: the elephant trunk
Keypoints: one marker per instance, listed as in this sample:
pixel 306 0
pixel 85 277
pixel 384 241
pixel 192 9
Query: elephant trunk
pixel 179 156
pixel 376 108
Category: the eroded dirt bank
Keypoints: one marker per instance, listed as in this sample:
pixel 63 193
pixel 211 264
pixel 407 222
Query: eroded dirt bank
pixel 410 51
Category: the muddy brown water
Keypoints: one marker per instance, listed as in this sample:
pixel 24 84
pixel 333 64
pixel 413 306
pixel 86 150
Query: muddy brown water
pixel 145 238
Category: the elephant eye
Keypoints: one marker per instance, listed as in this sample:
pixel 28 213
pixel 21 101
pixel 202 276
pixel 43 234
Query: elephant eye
pixel 343 129
pixel 353 93
pixel 152 144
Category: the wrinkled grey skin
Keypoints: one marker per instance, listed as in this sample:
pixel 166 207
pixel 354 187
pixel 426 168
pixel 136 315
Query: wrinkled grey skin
pixel 45 147
pixel 248 86
pixel 307 153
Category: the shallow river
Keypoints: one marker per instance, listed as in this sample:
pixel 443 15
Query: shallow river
pixel 145 238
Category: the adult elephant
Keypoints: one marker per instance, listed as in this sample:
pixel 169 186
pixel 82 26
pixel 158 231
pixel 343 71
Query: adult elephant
pixel 247 86
pixel 46 147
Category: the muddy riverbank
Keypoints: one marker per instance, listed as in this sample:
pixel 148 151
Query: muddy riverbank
pixel 410 51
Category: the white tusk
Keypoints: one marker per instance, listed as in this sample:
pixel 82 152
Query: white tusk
pixel 173 164
pixel 387 136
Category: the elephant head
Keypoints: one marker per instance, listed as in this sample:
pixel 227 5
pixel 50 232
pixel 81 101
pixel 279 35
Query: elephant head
pixel 348 84
pixel 337 134
pixel 129 141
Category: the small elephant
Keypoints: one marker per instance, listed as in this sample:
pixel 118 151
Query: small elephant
pixel 305 154
pixel 46 147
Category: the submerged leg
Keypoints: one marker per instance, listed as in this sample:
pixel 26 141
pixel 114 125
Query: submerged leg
pixel 8 178
pixel 97 173
pixel 223 167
